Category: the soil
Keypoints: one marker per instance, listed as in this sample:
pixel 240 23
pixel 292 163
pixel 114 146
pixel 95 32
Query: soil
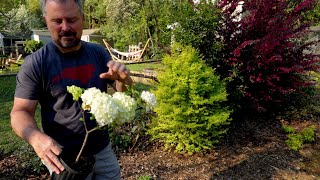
pixel 252 150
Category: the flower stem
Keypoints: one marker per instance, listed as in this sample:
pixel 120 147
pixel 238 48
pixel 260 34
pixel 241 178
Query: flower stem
pixel 85 141
pixel 86 136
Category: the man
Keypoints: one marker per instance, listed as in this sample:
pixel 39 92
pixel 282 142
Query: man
pixel 43 79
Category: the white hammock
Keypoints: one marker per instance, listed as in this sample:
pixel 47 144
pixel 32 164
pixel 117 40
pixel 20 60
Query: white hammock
pixel 125 56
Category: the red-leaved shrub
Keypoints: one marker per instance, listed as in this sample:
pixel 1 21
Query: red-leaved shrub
pixel 267 51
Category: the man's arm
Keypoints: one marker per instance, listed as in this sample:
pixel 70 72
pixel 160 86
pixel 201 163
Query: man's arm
pixel 122 86
pixel 120 74
pixel 24 125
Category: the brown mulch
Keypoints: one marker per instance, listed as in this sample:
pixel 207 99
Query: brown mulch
pixel 250 151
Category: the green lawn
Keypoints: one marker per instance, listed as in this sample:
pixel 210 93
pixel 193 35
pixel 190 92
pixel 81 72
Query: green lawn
pixel 14 68
pixel 144 66
pixel 9 142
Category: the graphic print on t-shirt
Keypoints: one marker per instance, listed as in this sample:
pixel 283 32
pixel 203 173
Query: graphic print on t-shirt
pixel 80 73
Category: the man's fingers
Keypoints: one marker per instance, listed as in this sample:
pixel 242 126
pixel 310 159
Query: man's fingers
pixel 115 67
pixel 117 71
pixel 104 75
pixel 110 63
pixel 51 164
pixel 55 160
pixel 123 69
pixel 56 150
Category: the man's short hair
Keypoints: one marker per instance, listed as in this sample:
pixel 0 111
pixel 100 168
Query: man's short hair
pixel 43 4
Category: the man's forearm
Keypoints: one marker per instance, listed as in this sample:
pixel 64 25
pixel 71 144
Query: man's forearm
pixel 24 125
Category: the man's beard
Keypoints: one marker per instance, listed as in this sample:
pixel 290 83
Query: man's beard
pixel 72 40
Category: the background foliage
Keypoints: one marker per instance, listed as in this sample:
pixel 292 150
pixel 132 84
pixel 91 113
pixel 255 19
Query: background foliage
pixel 32 46
pixel 198 26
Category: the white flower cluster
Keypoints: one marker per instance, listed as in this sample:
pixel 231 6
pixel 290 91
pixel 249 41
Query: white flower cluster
pixel 150 100
pixel 126 106
pixel 89 96
pixel 107 109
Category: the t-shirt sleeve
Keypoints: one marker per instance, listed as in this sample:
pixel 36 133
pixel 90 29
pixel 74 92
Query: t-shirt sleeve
pixel 28 79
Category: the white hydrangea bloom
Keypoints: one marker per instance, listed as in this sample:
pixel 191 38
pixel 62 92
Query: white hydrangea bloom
pixel 104 109
pixel 89 96
pixel 150 100
pixel 126 106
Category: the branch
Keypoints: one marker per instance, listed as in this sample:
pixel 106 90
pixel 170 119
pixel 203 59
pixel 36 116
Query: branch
pixel 85 141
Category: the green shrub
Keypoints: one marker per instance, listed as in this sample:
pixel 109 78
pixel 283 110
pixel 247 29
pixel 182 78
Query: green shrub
pixel 296 140
pixel 309 134
pixel 144 177
pixel 32 45
pixel 190 117
pixel 288 129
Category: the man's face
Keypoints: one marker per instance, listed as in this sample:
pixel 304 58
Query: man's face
pixel 65 23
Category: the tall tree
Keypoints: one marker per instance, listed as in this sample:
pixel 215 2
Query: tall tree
pixel 198 25
pixel 7 6
pixel 20 16
pixel 35 14
pixel 131 21
pixel 19 22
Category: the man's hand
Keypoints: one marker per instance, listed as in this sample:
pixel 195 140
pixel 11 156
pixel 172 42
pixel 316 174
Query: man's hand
pixel 48 150
pixel 24 125
pixel 119 73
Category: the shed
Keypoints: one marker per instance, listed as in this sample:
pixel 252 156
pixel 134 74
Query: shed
pixel 92 35
pixel 41 35
pixel 11 42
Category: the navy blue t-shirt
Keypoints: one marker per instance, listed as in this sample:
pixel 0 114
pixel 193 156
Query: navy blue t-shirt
pixel 45 75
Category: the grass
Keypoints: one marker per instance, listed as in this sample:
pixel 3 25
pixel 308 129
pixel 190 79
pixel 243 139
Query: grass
pixel 14 68
pixel 9 142
pixel 141 67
